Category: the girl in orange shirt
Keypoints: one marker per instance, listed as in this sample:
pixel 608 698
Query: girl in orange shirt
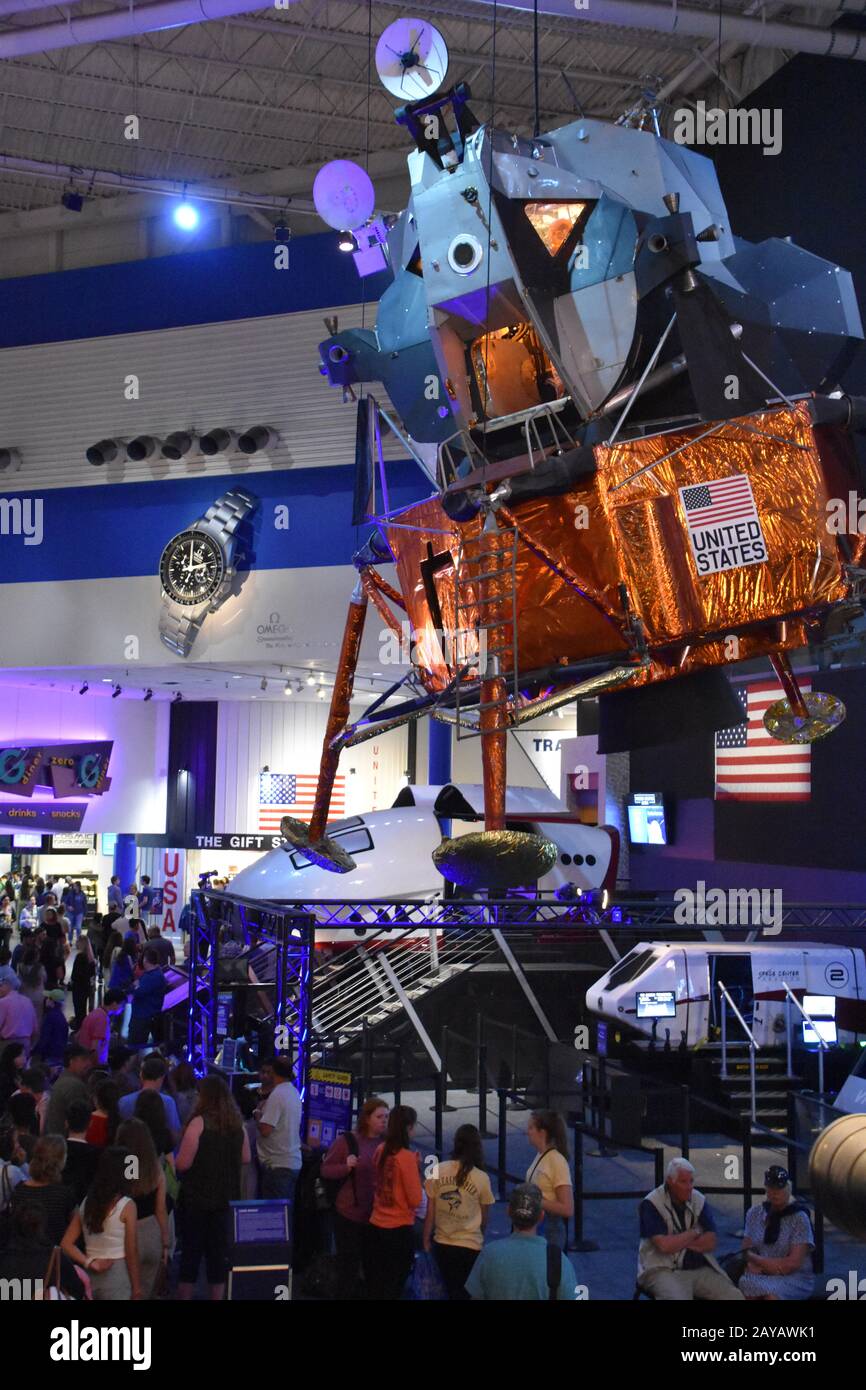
pixel 391 1234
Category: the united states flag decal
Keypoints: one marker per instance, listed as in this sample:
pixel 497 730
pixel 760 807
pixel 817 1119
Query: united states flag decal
pixel 722 521
pixel 752 766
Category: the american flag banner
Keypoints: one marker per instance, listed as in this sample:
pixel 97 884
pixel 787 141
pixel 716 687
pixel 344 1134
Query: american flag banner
pixel 293 794
pixel 752 766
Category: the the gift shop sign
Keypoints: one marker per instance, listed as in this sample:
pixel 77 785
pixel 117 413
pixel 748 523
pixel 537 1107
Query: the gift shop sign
pixel 34 777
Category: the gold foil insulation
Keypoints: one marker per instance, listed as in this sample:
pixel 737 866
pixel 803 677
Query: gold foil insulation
pixel 338 715
pixel 495 859
pixel 576 550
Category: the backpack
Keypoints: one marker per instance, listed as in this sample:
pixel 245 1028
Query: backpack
pixel 554 1272
pixel 328 1189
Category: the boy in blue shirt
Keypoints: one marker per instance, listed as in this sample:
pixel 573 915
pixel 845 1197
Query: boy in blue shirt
pixel 517 1268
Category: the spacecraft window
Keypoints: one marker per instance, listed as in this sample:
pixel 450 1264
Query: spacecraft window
pixel 554 222
pixel 465 253
pixel 629 968
pixel 590 859
pixel 578 859
pixel 566 858
pixel 353 842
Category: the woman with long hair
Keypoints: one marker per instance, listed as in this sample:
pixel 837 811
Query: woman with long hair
pixel 150 1109
pixel 549 1170
pixel 398 1194
pixel 213 1148
pixel 350 1162
pixel 147 1190
pixel 184 1083
pixel 106 1116
pixel 459 1199
pixel 107 1222
pixel 123 967
pixel 45 1187
pixel 83 977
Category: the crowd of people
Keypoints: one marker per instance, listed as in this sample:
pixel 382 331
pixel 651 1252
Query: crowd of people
pixel 118 1165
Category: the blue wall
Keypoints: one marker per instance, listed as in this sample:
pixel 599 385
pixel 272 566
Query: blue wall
pixel 236 282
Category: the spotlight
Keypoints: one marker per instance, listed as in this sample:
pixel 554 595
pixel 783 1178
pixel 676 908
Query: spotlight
pixel 288 689
pixel 264 683
pixel 186 217
pixel 177 699
pixel 10 460
pixel 311 679
pixel 321 692
pixel 148 694
pixel 260 437
pixel 84 689
pixel 143 447
pixel 217 442
pixel 106 451
pixel 72 201
pixel 266 768
pixel 176 445
pixel 346 242
pixel 115 692
pixel 282 234
pixel 299 686
pixel 321 678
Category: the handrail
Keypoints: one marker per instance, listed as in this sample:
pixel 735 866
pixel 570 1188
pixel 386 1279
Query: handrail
pixel 796 1001
pixel 746 1029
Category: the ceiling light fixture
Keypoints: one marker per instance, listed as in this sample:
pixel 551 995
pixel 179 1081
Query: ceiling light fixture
pixel 177 699
pixel 321 692
pixel 115 692
pixel 264 684
pixel 311 679
pixel 148 694
pixel 288 689
pixel 84 689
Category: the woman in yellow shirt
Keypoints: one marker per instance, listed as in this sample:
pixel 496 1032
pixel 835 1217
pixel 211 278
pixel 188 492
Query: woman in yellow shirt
pixel 459 1198
pixel 550 1171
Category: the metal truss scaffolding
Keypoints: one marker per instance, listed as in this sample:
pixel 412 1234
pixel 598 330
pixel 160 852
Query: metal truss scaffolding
pixel 289 930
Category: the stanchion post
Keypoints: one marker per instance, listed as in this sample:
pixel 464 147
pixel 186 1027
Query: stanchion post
pixel 398 1076
pixel 502 1142
pixel 685 1120
pixel 659 1161
pixel 747 1165
pixel 547 1046
pixel 579 1243
pixel 438 1109
pixel 482 1091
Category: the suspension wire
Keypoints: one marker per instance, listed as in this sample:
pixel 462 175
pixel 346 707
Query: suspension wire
pixel 492 127
pixel 537 127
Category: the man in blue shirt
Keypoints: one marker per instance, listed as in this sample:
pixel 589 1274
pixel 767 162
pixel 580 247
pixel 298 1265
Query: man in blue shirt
pixel 153 1072
pixel 516 1269
pixel 146 1016
pixel 677 1241
pixel 115 895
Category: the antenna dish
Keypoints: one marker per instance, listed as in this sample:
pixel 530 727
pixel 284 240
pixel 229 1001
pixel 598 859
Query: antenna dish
pixel 411 59
pixel 343 194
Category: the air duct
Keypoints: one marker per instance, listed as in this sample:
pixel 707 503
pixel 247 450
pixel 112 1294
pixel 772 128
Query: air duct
pixel 106 451
pixel 177 445
pixel 143 447
pixel 702 24
pixel 10 460
pixel 120 24
pixel 217 442
pixel 260 437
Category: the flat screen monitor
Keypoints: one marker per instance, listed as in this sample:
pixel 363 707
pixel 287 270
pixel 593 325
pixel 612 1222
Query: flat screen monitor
pixel 107 844
pixel 824 1028
pixel 27 840
pixel 647 820
pixel 260 1223
pixel 656 1003
pixel 820 1005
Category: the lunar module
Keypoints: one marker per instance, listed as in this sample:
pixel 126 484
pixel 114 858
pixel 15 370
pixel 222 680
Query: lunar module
pixel 631 429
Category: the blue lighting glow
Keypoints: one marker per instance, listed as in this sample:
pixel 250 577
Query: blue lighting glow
pixel 186 217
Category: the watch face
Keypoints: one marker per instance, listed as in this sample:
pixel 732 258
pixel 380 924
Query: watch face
pixel 191 568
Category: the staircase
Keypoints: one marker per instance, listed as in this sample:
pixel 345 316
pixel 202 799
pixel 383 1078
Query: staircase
pixel 772 1084
pixel 368 986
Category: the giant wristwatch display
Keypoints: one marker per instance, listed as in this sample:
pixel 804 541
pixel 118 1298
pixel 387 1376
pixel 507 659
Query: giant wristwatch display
pixel 196 569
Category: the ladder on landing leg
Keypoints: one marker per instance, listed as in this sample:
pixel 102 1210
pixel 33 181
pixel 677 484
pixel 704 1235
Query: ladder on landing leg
pixel 486 601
